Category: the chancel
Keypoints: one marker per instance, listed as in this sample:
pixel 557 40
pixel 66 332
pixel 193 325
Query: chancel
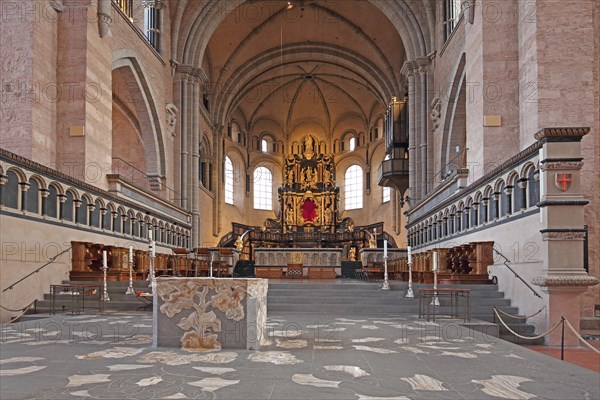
pixel 246 180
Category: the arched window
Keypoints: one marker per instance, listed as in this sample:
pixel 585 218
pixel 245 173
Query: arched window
pixel 263 189
pixel 387 194
pixel 353 183
pixel 352 144
pixel 264 146
pixel 228 181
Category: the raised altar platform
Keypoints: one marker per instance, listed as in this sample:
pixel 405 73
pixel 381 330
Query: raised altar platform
pixel 298 263
pixel 307 257
pixel 203 314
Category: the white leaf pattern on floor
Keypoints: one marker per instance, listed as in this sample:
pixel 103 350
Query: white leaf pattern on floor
pixel 505 386
pixel 311 380
pixel 424 382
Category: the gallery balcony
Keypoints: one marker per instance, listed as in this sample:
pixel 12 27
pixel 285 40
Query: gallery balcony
pixel 394 173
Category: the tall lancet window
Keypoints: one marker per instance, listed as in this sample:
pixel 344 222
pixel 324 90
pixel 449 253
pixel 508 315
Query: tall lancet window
pixel 353 183
pixel 387 194
pixel 263 189
pixel 228 181
pixel 152 22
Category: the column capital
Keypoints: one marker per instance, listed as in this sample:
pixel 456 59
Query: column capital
pixel 408 69
pixel 422 64
pixel 191 73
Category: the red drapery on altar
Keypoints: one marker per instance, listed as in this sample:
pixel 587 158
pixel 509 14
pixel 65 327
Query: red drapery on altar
pixel 309 210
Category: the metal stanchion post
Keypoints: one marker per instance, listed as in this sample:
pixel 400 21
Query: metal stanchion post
pixel 562 340
pixel 105 270
pixel 130 287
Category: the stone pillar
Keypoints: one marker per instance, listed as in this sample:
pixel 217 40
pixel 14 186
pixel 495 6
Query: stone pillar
pixel 562 209
pixel 44 195
pixel 423 63
pixel 84 110
pixel 407 69
pixel 24 186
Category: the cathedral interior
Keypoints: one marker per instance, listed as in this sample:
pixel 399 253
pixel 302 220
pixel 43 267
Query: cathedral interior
pixel 469 129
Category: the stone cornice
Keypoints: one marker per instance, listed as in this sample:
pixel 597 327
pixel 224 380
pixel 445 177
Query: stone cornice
pixel 581 280
pixel 575 133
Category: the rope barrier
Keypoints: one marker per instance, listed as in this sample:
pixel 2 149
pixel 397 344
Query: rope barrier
pixel 21 311
pixel 521 317
pixel 526 337
pixel 580 338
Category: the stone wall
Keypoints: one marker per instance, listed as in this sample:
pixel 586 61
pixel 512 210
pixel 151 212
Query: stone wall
pixel 31 244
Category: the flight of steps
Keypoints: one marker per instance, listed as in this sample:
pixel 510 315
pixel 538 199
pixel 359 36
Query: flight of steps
pixel 339 298
pixel 116 293
pixel 353 298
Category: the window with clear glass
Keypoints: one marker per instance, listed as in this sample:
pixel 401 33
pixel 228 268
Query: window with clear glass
pixel 264 146
pixel 152 21
pixel 353 183
pixel 263 189
pixel 228 181
pixel 387 193
pixel 352 144
pixel 452 13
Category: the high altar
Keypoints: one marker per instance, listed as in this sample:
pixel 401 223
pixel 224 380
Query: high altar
pixel 309 197
pixel 308 230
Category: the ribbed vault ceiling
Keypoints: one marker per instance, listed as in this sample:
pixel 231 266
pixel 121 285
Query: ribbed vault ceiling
pixel 331 63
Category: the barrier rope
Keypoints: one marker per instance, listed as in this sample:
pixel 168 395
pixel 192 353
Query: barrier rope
pixel 21 311
pixel 562 321
pixel 580 338
pixel 521 317
pixel 527 337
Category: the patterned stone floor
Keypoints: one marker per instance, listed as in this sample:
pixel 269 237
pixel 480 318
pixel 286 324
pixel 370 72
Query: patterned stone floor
pixel 310 357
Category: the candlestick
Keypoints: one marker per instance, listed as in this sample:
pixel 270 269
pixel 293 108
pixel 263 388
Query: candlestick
pixel 130 287
pixel 152 276
pixel 386 284
pixel 105 269
pixel 409 293
pixel 435 301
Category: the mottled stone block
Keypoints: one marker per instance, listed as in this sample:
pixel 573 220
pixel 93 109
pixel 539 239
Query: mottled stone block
pixel 203 314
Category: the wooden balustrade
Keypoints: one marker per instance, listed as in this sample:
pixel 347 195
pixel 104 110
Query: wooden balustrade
pixel 466 263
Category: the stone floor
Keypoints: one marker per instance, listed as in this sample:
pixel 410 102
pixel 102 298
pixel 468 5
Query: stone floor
pixel 310 357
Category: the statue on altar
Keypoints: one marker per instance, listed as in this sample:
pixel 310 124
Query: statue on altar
pixel 352 254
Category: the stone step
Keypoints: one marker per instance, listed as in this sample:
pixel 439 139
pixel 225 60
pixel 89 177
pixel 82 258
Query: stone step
pixel 380 299
pixel 397 292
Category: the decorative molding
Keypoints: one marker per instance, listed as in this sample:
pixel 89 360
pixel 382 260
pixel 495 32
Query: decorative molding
pixel 57 5
pixel 561 165
pixel 104 17
pixel 171 118
pixel 436 113
pixel 468 8
pixel 575 133
pixel 191 72
pixel 565 281
pixel 547 236
pixel 547 203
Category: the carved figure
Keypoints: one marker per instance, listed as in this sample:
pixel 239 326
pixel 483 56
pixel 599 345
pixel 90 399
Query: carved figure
pixel 352 254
